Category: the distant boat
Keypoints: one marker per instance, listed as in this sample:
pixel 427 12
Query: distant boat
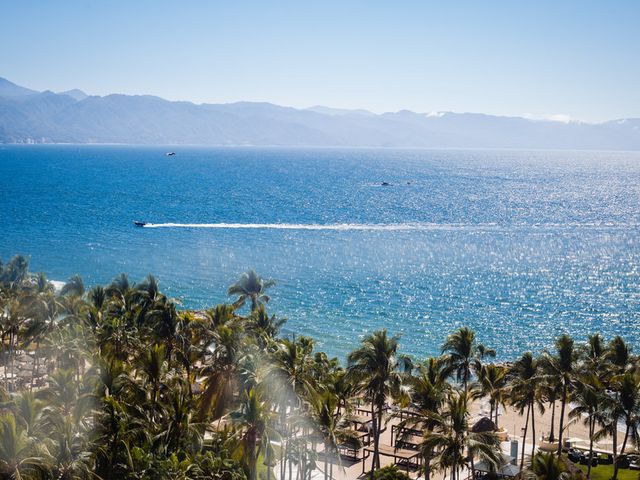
pixel 386 184
pixel 139 224
pixel 170 154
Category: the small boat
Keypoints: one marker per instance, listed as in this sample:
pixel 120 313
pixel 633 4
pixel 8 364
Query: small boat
pixel 170 154
pixel 139 224
pixel 385 184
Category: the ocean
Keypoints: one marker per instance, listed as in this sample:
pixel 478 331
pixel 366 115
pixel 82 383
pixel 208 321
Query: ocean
pixel 519 245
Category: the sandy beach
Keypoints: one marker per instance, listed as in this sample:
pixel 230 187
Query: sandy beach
pixel 509 419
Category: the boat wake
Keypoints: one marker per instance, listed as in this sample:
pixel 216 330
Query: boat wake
pixel 387 226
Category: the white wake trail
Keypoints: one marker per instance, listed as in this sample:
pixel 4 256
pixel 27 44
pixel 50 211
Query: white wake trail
pixel 306 226
pixel 390 226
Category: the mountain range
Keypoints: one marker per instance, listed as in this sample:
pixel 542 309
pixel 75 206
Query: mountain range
pixel 30 116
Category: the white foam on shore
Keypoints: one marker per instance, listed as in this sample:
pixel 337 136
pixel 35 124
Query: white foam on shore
pixel 57 285
pixel 383 226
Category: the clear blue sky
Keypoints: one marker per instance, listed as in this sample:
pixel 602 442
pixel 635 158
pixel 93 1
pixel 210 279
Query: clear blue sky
pixel 578 58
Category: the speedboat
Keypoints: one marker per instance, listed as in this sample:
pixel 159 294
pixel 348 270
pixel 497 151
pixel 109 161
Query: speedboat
pixel 170 154
pixel 385 184
pixel 139 224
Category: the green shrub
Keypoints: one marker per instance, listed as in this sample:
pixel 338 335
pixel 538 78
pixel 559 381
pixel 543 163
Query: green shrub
pixel 390 472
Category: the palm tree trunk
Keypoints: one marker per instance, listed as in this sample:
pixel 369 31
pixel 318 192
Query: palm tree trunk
pixel 524 437
pixel 614 433
pixel 326 460
pixel 622 448
pixel 284 444
pixel 553 421
pixel 562 407
pixel 592 423
pixel 427 466
pixel 533 429
pixel 380 410
pixel 375 439
pixel 473 466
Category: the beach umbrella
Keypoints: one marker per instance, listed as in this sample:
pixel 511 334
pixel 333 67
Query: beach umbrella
pixel 485 424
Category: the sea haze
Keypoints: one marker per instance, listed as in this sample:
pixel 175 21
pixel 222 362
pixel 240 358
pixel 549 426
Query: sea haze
pixel 519 245
pixel 27 116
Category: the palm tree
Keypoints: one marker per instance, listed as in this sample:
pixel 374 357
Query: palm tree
pixel 550 386
pixel 373 366
pixel 524 394
pixel 588 399
pixel 453 442
pixel 153 365
pixel 263 327
pixel 254 421
pixel 464 354
pixel 250 286
pixel 492 381
pixel 547 466
pixel 74 287
pixel 627 391
pixel 330 424
pixel 290 373
pixel 428 392
pixel 563 366
pixel 14 273
pixel 220 369
pixel 20 456
pixel 619 358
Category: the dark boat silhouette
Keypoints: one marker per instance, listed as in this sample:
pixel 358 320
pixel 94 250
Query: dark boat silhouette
pixel 139 224
pixel 170 154
pixel 386 184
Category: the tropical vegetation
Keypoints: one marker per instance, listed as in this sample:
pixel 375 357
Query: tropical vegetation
pixel 119 381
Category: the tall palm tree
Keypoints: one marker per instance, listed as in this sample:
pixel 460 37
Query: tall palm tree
pixel 563 365
pixel 254 421
pixel 524 394
pixel 464 354
pixel 290 373
pixel 550 386
pixel 330 424
pixel 250 286
pixel 373 366
pixel 428 390
pixel 627 391
pixel 453 442
pixel 589 398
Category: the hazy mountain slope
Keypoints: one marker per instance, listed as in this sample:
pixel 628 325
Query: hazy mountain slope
pixel 29 116
pixel 10 89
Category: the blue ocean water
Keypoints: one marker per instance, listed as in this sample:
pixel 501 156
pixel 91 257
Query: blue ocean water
pixel 521 246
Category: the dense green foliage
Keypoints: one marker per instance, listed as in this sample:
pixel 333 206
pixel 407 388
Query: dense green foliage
pixel 118 382
pixel 390 472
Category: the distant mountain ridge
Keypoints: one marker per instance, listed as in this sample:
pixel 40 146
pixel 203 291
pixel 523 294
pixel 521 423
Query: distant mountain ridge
pixel 28 116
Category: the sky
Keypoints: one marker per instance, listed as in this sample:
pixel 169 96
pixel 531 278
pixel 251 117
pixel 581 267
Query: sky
pixel 541 59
